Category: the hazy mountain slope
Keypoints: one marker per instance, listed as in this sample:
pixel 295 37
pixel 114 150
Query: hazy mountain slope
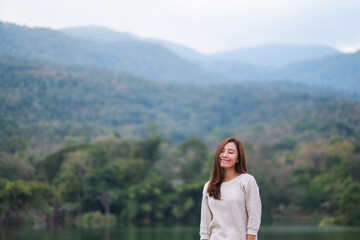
pixel 277 55
pixel 237 71
pixel 269 55
pixel 182 51
pixel 106 35
pixel 340 72
pixel 99 34
pixel 337 72
pixel 33 93
pixel 140 58
pixel 150 60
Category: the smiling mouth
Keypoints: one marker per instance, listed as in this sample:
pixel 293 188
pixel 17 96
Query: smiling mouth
pixel 225 160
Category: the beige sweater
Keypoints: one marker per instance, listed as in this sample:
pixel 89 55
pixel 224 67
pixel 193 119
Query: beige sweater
pixel 237 213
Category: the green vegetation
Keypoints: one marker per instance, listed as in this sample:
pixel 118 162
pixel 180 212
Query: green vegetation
pixel 111 180
pixel 89 146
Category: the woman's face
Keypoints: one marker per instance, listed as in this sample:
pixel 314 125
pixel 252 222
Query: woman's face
pixel 228 156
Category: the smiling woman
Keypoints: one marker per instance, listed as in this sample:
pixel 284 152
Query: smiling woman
pixel 231 205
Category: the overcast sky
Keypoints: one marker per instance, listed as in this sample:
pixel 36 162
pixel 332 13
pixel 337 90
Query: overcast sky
pixel 205 25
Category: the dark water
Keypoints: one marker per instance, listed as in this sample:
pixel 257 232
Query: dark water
pixel 175 233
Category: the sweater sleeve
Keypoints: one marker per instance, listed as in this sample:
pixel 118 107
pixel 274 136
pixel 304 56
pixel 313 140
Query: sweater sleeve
pixel 206 215
pixel 253 206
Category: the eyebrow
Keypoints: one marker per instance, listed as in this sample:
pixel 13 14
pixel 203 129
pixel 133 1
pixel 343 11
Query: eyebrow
pixel 229 149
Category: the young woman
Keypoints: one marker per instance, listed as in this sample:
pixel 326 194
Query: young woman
pixel 231 205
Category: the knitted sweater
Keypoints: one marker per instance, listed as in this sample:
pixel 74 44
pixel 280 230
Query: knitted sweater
pixel 237 213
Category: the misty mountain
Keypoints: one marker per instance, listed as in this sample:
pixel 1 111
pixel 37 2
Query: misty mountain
pixel 99 34
pixel 106 35
pixel 141 58
pixel 339 71
pixel 182 51
pixel 276 55
pixel 145 58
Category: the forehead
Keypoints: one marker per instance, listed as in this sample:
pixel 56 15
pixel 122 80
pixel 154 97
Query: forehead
pixel 230 145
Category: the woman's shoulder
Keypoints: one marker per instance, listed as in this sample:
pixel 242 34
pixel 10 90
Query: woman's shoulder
pixel 246 178
pixel 205 187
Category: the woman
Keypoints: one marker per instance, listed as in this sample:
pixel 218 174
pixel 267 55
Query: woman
pixel 231 205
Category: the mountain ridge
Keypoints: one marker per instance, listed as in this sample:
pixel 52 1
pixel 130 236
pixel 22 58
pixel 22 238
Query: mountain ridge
pixel 154 61
pixel 144 59
pixel 289 53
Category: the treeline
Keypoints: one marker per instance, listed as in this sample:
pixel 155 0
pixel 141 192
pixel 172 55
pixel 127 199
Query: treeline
pixel 148 181
pixel 126 180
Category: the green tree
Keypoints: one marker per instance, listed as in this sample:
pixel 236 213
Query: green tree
pixel 13 168
pixel 70 179
pixel 14 144
pixel 350 204
pixel 19 198
pixel 192 154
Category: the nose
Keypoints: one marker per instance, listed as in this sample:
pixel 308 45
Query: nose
pixel 225 154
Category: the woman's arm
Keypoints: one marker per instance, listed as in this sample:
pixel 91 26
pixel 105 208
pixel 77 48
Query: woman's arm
pixel 253 208
pixel 206 216
pixel 250 237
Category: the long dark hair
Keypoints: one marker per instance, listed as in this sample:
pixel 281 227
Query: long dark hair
pixel 217 173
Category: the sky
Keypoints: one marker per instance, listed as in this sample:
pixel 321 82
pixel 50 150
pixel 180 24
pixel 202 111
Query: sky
pixel 207 26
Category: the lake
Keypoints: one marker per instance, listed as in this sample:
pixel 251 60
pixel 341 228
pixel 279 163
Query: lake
pixel 175 233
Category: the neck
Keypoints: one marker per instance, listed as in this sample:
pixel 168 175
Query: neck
pixel 230 174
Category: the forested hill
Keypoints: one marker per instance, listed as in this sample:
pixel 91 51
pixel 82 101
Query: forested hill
pixel 276 55
pixel 140 58
pixel 168 62
pixel 42 93
pixel 341 72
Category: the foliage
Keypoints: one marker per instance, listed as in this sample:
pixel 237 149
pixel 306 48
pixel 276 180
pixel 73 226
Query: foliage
pixel 349 204
pixel 18 198
pixel 97 220
pixel 14 168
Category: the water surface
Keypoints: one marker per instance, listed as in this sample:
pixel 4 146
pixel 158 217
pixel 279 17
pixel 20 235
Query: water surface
pixel 175 233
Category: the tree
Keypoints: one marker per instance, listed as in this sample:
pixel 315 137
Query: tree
pixel 193 156
pixel 13 168
pixel 14 144
pixel 19 198
pixel 350 204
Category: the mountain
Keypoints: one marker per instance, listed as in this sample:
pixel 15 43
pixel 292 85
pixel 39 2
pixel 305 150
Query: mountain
pixel 99 34
pixel 106 35
pixel 52 95
pixel 182 51
pixel 313 64
pixel 168 62
pixel 276 55
pixel 140 58
pixel 339 71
